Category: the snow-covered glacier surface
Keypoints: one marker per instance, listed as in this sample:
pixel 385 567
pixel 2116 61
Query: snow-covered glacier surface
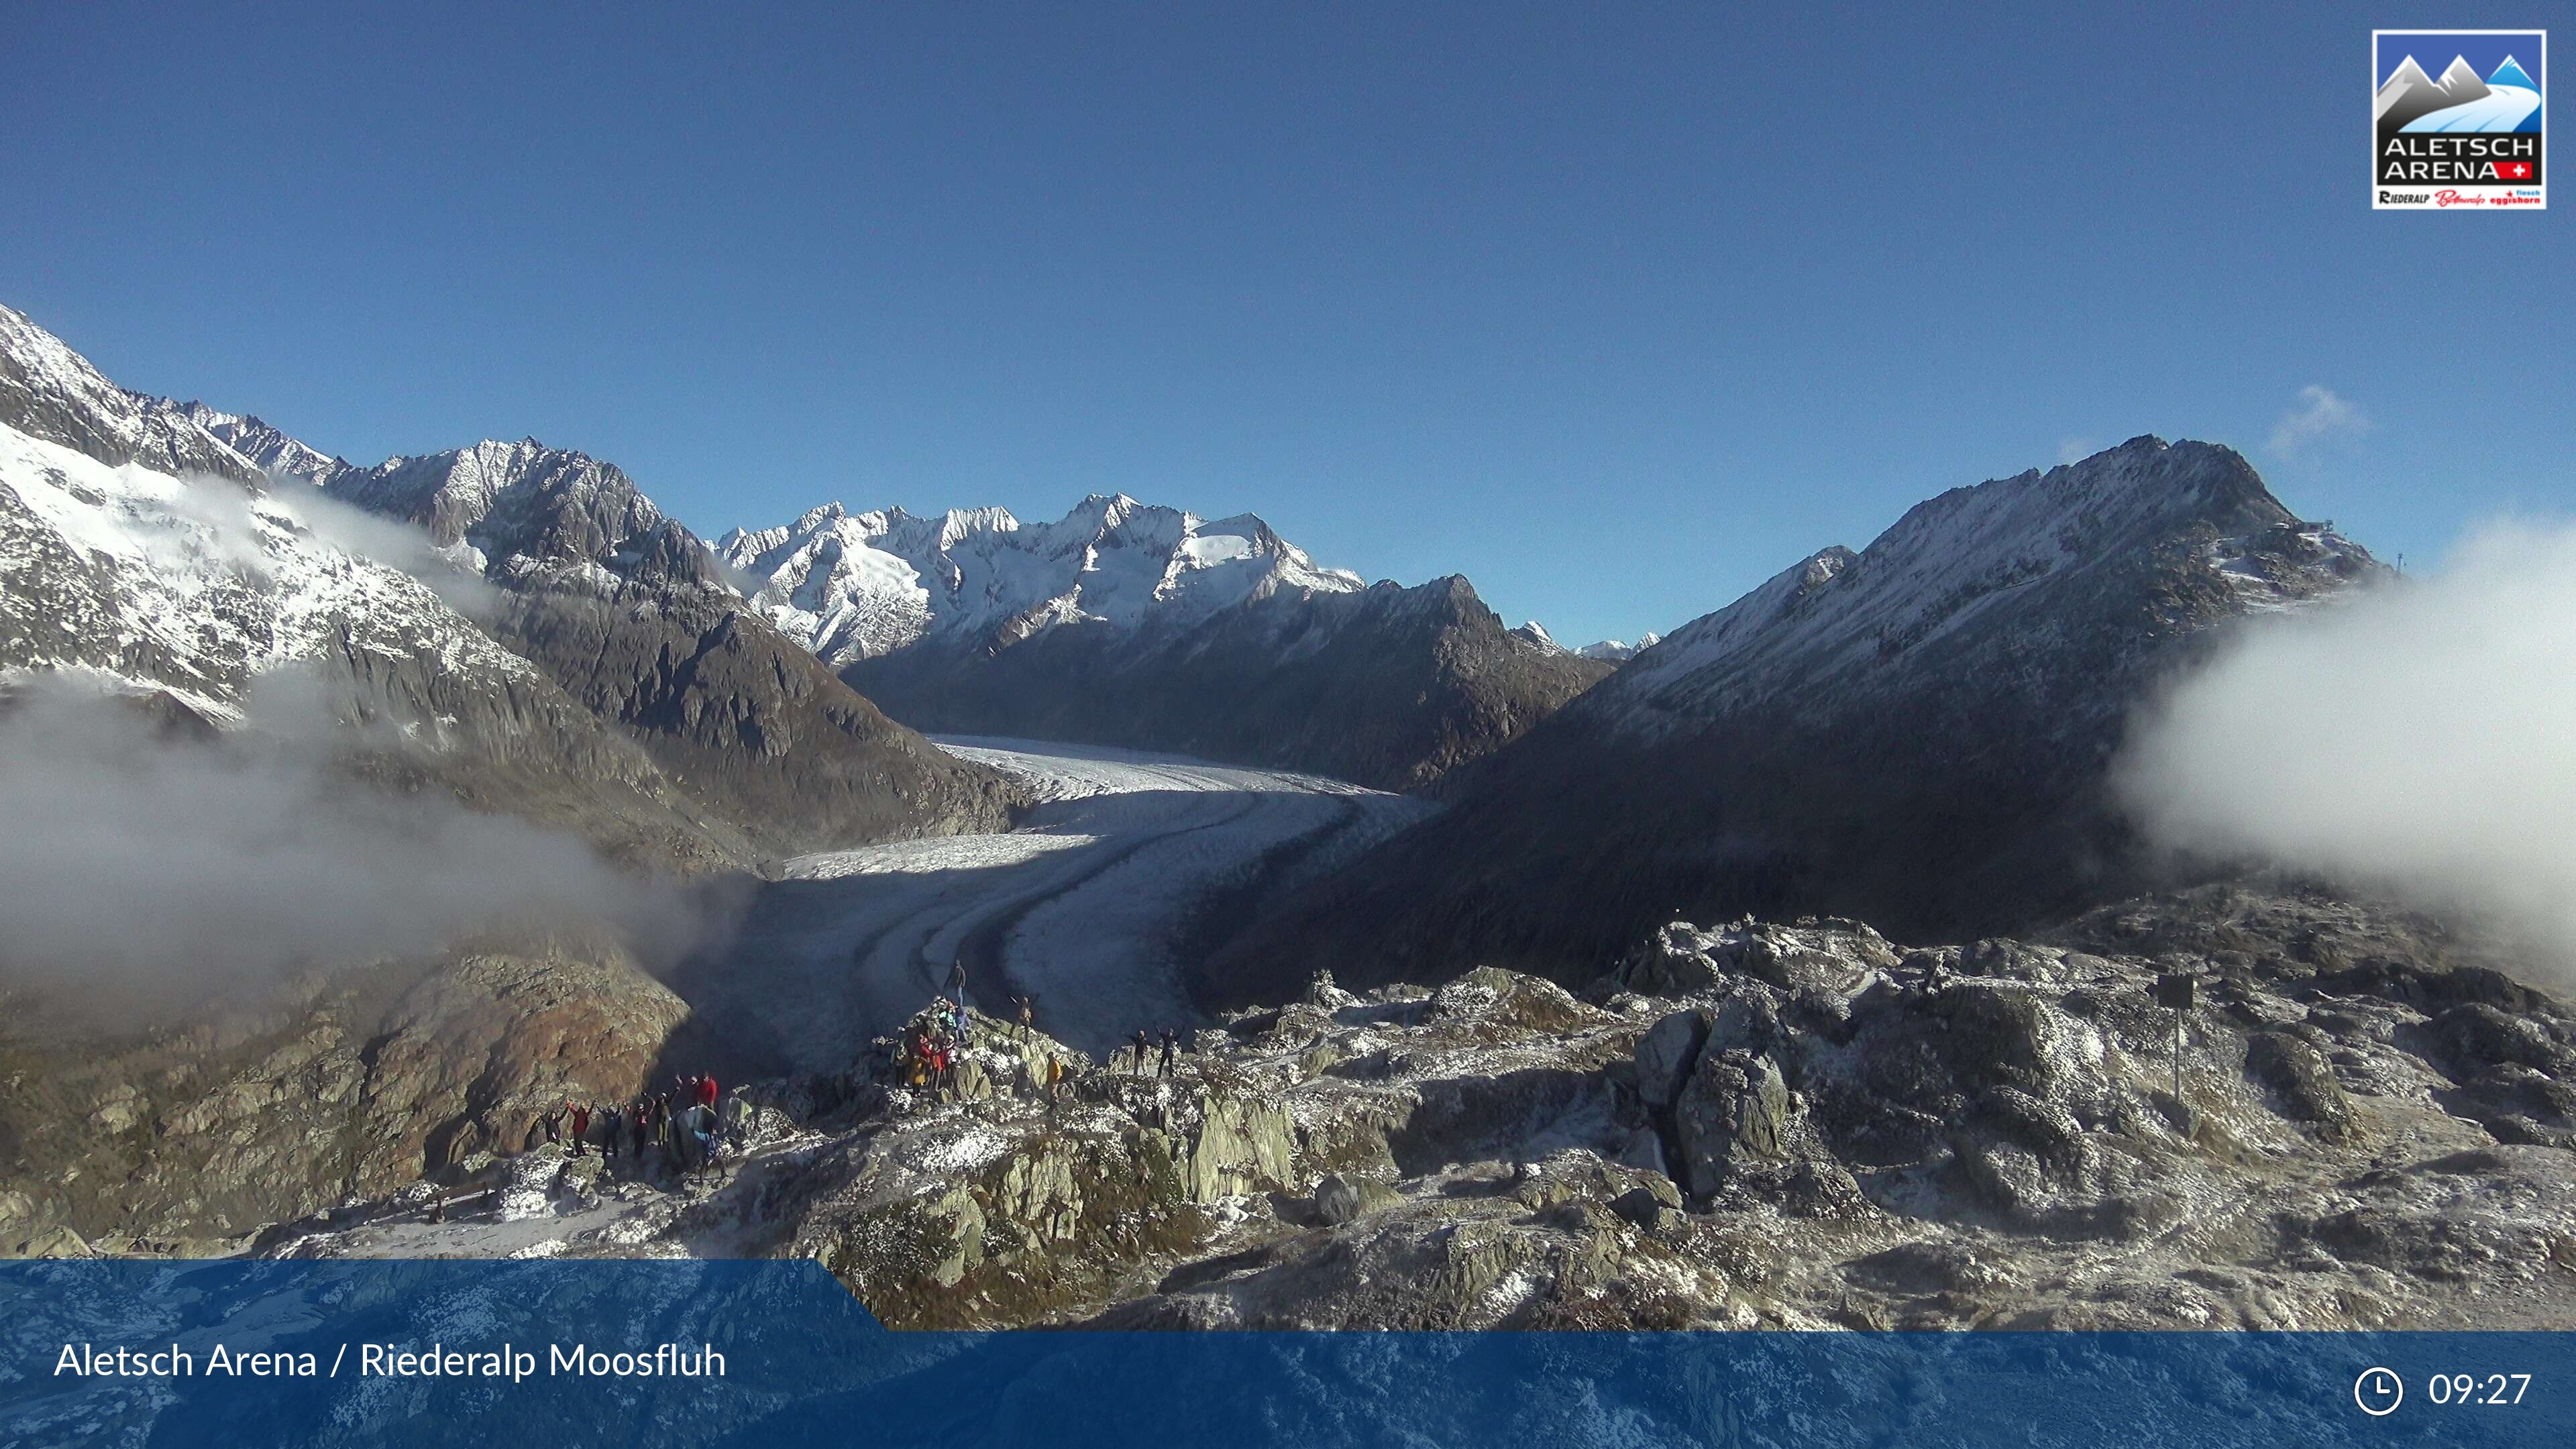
pixel 1089 905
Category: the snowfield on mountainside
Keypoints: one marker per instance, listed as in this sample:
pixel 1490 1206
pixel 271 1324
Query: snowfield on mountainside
pixel 199 584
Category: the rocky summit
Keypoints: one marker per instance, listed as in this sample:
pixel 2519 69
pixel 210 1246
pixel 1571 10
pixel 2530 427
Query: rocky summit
pixel 1918 734
pixel 1757 1124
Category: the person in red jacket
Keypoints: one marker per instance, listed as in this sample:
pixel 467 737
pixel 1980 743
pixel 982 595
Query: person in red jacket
pixel 707 1092
pixel 581 1129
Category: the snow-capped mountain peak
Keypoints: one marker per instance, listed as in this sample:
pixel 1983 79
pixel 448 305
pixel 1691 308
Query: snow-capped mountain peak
pixel 1951 560
pixel 1535 633
pixel 54 394
pixel 858 586
pixel 2461 81
pixel 1619 651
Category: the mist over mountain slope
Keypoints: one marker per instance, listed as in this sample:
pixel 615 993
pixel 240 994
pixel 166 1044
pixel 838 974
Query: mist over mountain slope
pixel 2411 740
pixel 1142 626
pixel 254 820
pixel 205 587
pixel 1917 734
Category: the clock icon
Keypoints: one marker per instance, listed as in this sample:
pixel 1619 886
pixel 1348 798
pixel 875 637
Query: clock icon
pixel 2379 1391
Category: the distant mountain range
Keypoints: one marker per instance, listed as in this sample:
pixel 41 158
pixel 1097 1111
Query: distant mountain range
pixel 1918 732
pixel 1123 623
pixel 1616 651
pixel 1131 624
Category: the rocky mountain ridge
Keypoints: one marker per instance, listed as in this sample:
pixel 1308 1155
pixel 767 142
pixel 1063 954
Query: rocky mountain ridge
pixel 1919 733
pixel 1388 686
pixel 189 1139
pixel 51 393
pixel 276 455
pixel 626 608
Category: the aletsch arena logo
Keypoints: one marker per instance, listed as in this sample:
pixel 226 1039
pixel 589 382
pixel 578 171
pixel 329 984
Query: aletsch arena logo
pixel 2465 136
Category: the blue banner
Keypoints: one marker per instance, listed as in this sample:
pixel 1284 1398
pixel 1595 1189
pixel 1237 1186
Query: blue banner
pixel 778 1355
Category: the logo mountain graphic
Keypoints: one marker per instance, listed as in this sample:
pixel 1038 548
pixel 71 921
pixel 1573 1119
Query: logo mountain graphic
pixel 2409 100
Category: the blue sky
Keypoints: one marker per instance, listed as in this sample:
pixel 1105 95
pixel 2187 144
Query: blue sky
pixel 1616 309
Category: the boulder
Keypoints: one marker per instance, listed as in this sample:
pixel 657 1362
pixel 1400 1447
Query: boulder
pixel 1736 1112
pixel 1644 1148
pixel 2302 1080
pixel 53 1242
pixel 1336 1200
pixel 1647 1211
pixel 1322 992
pixel 1666 1054
pixel 1242 1147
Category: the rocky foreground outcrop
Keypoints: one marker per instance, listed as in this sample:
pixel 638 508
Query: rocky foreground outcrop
pixel 188 1140
pixel 1754 1125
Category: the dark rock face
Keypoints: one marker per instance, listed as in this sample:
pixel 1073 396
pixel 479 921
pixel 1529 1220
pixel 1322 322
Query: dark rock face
pixel 753 727
pixel 1389 686
pixel 1918 734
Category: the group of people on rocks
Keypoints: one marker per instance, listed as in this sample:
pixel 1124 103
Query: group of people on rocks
pixel 933 1045
pixel 688 1127
pixel 1141 1053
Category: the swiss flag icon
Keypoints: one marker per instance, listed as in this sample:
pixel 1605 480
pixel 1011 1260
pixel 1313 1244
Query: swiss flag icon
pixel 2514 170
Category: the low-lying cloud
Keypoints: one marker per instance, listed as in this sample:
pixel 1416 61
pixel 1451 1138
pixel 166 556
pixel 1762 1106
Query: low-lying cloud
pixel 2419 738
pixel 451 573
pixel 142 876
